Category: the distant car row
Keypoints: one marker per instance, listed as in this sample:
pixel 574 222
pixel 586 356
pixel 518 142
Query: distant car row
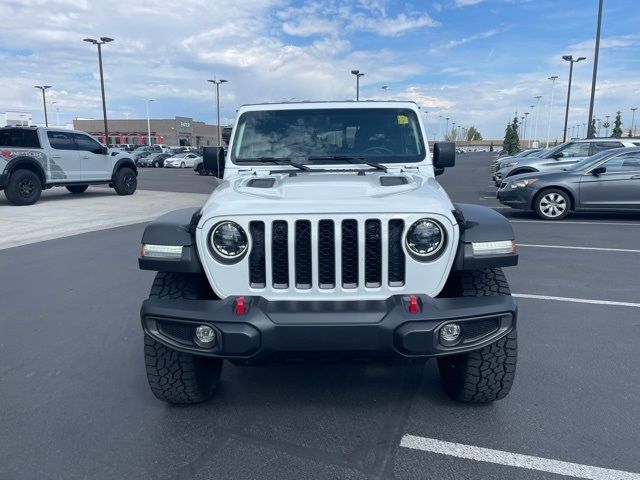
pixel 172 158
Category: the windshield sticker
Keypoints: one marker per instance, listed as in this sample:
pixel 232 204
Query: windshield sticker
pixel 403 120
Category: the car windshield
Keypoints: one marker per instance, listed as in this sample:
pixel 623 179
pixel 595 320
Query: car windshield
pixel 587 162
pixel 385 135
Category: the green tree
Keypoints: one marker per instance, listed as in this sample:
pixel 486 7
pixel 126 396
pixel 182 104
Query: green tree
pixel 617 126
pixel 451 136
pixel 473 134
pixel 511 139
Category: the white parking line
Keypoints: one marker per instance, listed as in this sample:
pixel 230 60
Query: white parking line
pixel 500 457
pixel 628 250
pixel 576 300
pixel 560 222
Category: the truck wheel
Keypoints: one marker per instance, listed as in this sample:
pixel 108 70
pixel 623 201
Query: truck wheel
pixel 200 170
pixel 24 187
pixel 77 188
pixel 173 376
pixel 125 181
pixel 487 374
pixel 552 204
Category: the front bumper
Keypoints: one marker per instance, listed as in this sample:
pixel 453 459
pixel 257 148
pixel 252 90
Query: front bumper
pixel 520 198
pixel 356 328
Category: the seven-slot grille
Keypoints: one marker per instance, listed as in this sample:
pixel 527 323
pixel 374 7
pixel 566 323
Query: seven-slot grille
pixel 325 254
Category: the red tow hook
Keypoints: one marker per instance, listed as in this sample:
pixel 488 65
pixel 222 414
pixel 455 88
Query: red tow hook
pixel 240 307
pixel 414 306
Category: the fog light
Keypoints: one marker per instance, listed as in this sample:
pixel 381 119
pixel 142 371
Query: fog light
pixel 450 334
pixel 205 335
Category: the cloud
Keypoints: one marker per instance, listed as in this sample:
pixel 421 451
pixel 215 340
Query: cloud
pixel 465 3
pixel 392 26
pixel 461 41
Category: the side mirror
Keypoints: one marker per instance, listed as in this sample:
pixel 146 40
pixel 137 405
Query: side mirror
pixel 598 170
pixel 105 150
pixel 213 160
pixel 444 156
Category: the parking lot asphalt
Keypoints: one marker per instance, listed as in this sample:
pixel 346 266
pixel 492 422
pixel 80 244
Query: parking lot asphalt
pixel 74 400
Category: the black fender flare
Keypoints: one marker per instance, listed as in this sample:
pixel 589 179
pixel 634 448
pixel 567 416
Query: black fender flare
pixel 124 162
pixel 482 224
pixel 34 165
pixel 176 228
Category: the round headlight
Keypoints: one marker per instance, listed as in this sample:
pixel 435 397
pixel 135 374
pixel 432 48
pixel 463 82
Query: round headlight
pixel 228 241
pixel 425 238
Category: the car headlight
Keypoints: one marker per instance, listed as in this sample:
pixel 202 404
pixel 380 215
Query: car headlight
pixel 228 241
pixel 425 239
pixel 510 164
pixel 522 183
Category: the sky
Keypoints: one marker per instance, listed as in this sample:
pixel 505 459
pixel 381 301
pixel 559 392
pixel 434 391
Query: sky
pixel 474 61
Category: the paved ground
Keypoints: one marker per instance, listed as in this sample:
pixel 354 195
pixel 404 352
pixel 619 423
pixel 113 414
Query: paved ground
pixel 74 401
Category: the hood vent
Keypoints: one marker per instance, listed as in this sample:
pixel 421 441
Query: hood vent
pixel 261 182
pixel 393 181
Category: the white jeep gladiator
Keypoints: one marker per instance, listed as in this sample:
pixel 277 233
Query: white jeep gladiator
pixel 329 237
pixel 33 159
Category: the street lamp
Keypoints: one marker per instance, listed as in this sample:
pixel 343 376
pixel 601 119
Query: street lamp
pixel 535 125
pixel 217 84
pixel 149 100
pixel 386 89
pixel 358 75
pixel 570 59
pixel 633 121
pixel 553 84
pixel 606 125
pixel 527 128
pixel 446 130
pixel 440 127
pixel 44 88
pixel 99 43
pixel 590 134
pixel 57 114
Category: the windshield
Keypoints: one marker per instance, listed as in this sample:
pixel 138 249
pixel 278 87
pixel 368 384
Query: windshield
pixel 587 162
pixel 386 135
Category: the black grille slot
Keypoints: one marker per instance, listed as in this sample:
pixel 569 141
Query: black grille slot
pixel 303 254
pixel 350 254
pixel 280 254
pixel 326 254
pixel 479 328
pixel 396 254
pixel 257 268
pixel 373 253
pixel 176 331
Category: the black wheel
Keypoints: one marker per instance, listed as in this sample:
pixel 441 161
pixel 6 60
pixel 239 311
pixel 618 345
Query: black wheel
pixel 487 374
pixel 200 169
pixel 552 204
pixel 156 164
pixel 173 376
pixel 24 187
pixel 77 188
pixel 125 181
pixel 182 165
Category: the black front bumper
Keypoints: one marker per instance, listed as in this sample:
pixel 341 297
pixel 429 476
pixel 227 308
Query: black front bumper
pixel 362 328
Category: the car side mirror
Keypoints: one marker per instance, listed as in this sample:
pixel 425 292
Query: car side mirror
pixel 213 160
pixel 598 170
pixel 444 156
pixel 105 150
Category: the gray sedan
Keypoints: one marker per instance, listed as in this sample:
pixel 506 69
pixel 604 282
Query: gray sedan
pixel 608 181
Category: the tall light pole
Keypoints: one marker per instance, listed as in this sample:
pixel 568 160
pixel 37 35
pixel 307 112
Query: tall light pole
pixel 606 125
pixel 590 134
pixel 633 121
pixel 569 58
pixel 440 127
pixel 358 75
pixel 446 130
pixel 217 84
pixel 453 129
pixel 99 43
pixel 535 127
pixel 386 90
pixel 528 127
pixel 149 100
pixel 57 114
pixel 553 84
pixel 44 88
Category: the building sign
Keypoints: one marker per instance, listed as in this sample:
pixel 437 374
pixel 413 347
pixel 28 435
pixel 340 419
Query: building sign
pixel 184 125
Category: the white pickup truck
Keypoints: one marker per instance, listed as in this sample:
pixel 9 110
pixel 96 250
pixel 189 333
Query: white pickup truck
pixel 33 159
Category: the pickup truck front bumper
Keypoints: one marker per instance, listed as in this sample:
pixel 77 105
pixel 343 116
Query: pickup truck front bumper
pixel 263 329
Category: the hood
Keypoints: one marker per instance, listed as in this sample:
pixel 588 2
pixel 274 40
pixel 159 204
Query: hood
pixel 541 175
pixel 334 192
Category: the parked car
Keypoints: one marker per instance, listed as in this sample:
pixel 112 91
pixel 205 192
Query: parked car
pixel 609 181
pixel 319 245
pixel 559 157
pixel 181 160
pixel 138 155
pixel 33 159
pixel 155 160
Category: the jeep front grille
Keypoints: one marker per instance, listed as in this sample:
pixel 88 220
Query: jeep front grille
pixel 323 254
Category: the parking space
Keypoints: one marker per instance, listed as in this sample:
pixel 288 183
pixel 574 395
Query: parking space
pixel 74 388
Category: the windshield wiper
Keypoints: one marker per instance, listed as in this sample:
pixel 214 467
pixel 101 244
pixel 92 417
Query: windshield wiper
pixel 276 160
pixel 352 160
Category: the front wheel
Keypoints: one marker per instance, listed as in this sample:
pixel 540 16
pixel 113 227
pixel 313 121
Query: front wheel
pixel 552 204
pixel 77 188
pixel 125 181
pixel 487 374
pixel 24 188
pixel 182 165
pixel 156 164
pixel 200 169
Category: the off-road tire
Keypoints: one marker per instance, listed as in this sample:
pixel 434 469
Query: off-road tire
pixel 125 181
pixel 176 377
pixel 77 188
pixel 550 193
pixel 24 187
pixel 487 374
